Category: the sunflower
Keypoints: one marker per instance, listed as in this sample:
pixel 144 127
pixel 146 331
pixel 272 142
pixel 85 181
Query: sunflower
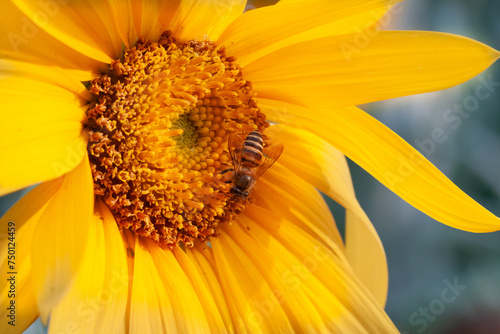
pixel 134 118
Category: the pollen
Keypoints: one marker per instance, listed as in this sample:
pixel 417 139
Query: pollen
pixel 158 130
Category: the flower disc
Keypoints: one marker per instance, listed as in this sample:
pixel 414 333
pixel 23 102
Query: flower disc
pixel 159 128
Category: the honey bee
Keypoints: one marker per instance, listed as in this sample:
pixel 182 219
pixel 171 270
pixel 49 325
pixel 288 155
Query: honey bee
pixel 250 160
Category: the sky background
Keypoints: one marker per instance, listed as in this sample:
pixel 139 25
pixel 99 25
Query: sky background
pixel 426 257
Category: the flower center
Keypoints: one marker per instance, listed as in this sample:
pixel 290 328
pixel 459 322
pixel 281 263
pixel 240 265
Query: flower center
pixel 159 128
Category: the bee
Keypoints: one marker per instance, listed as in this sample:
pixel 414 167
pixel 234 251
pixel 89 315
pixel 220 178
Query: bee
pixel 250 160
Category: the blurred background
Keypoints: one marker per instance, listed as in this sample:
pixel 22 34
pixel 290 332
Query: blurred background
pixel 424 256
pixel 441 280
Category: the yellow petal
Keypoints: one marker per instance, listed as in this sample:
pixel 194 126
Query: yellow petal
pixel 41 134
pixel 396 164
pixel 151 309
pixel 19 309
pixel 352 69
pixel 19 224
pixel 280 185
pixel 21 39
pixel 151 17
pixel 84 26
pixel 198 278
pixel 117 279
pixel 203 262
pixel 62 237
pixel 30 205
pixel 292 273
pixel 246 290
pixel 105 26
pixel 324 167
pixel 189 312
pixel 122 13
pixel 98 298
pixel 84 298
pixel 198 18
pixel 290 22
pixel 47 74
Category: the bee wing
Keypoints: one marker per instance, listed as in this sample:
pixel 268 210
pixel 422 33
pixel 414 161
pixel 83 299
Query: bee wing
pixel 270 156
pixel 235 145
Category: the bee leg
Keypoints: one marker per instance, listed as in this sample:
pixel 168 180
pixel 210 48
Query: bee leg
pixel 226 170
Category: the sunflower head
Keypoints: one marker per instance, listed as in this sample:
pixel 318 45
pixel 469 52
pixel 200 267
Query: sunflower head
pixel 116 241
pixel 159 126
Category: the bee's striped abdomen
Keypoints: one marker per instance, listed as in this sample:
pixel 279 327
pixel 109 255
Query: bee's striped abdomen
pixel 251 154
